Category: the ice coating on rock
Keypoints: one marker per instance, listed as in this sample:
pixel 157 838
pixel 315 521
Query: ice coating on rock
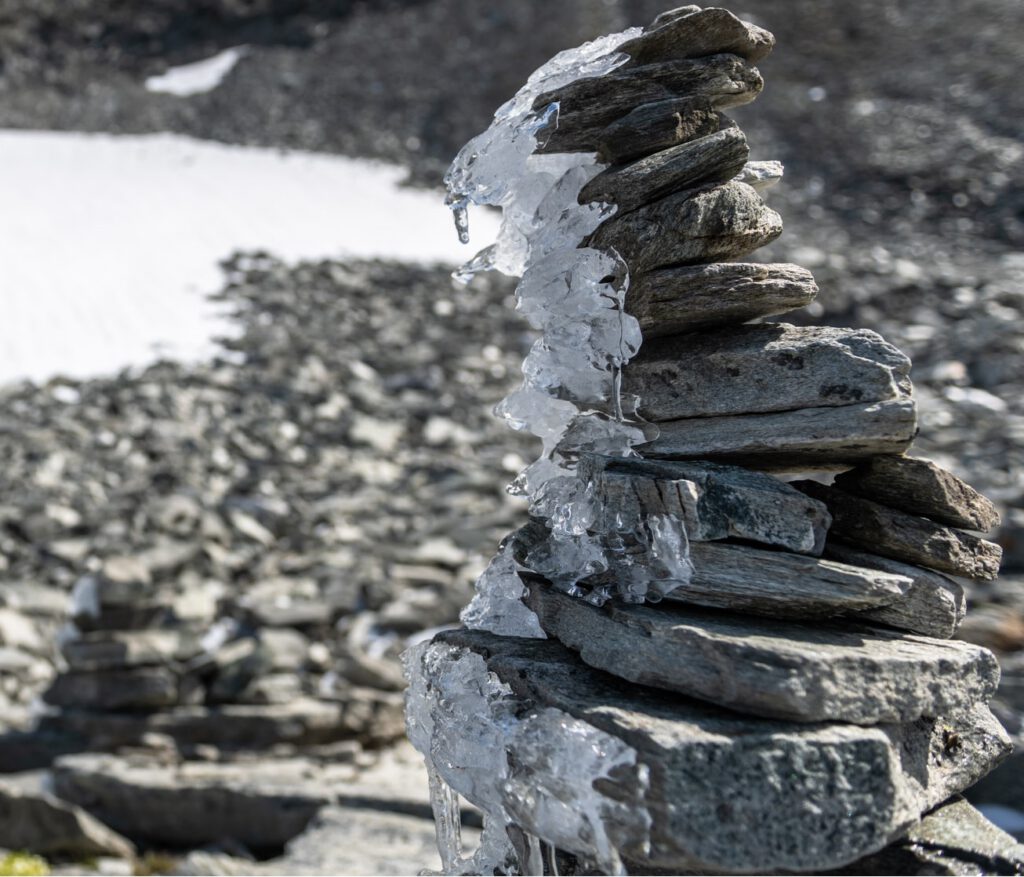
pixel 570 397
pixel 499 607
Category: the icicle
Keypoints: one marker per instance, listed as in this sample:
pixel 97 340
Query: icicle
pixel 444 801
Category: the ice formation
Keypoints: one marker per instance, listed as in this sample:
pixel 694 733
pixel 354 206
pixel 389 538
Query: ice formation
pixel 570 396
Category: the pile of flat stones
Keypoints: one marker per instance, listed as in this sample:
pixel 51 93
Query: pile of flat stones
pixel 800 704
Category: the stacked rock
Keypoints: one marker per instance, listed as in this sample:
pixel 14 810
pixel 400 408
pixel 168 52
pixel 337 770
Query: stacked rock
pixel 795 702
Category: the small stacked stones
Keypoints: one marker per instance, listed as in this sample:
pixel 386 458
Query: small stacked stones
pixel 799 704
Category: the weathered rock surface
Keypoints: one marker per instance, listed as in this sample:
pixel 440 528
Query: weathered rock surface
pixel 882 530
pixel 654 126
pixel 954 839
pixel 807 436
pixel 140 688
pixel 715 158
pixel 828 794
pixel 46 826
pixel 704 32
pixel 770 667
pixel 921 487
pixel 705 225
pixel 782 585
pixel 764 368
pixel 678 299
pixel 933 606
pixel 712 501
pixel 588 106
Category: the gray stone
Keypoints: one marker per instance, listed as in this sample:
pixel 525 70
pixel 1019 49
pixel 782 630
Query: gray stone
pixel 687 298
pixel 707 225
pixel 762 368
pixel 714 158
pixel 110 650
pixel 921 487
pixel 696 34
pixel 588 106
pixel 655 126
pixel 882 530
pixel 954 839
pixel 711 501
pixel 46 826
pixel 696 787
pixel 933 606
pixel 770 667
pixel 782 585
pixel 809 436
pixel 141 688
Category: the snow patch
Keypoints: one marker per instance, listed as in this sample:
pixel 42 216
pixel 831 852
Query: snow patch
pixel 197 77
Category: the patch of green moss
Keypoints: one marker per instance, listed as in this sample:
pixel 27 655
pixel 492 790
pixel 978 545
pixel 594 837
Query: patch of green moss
pixel 23 865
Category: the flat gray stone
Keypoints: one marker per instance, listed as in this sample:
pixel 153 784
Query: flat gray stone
pixel 588 106
pixel 140 688
pixel 809 436
pixel 908 538
pixel 762 368
pixel 783 585
pixel 704 32
pixel 921 487
pixel 773 668
pixel 692 787
pixel 655 126
pixel 707 225
pixel 39 823
pixel 109 650
pixel 933 606
pixel 711 501
pixel 714 158
pixel 688 298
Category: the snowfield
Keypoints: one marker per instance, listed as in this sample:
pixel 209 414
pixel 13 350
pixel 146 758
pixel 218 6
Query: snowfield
pixel 109 245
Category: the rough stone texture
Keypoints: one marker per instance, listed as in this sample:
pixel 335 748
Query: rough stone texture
pixel 955 840
pixel 933 606
pixel 828 794
pixel 690 298
pixel 770 667
pixel 712 501
pixel 588 106
pixel 140 688
pixel 711 225
pixel 807 436
pixel 921 487
pixel 705 32
pixel 41 824
pixel 783 585
pixel 715 158
pixel 654 126
pixel 895 534
pixel 762 368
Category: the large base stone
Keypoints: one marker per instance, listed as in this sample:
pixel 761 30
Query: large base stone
pixel 596 766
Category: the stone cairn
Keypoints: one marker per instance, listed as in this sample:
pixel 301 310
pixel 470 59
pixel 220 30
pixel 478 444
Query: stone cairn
pixel 722 643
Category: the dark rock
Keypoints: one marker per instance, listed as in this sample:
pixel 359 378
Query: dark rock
pixel 882 530
pixel 141 688
pixel 764 367
pixel 655 126
pixel 920 487
pixel 669 301
pixel 696 34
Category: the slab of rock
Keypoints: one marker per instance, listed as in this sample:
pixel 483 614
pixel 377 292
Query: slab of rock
pixel 694 35
pixel 41 824
pixel 588 106
pixel 109 650
pixel 712 159
pixel 688 298
pixel 933 606
pixel 140 688
pixel 771 667
pixel 921 487
pixel 911 539
pixel 705 225
pixel 670 782
pixel 654 126
pixel 261 804
pixel 954 839
pixel 764 367
pixel 809 436
pixel 711 501
pixel 782 585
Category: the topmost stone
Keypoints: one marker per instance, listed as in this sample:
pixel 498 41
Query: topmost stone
pixel 692 32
